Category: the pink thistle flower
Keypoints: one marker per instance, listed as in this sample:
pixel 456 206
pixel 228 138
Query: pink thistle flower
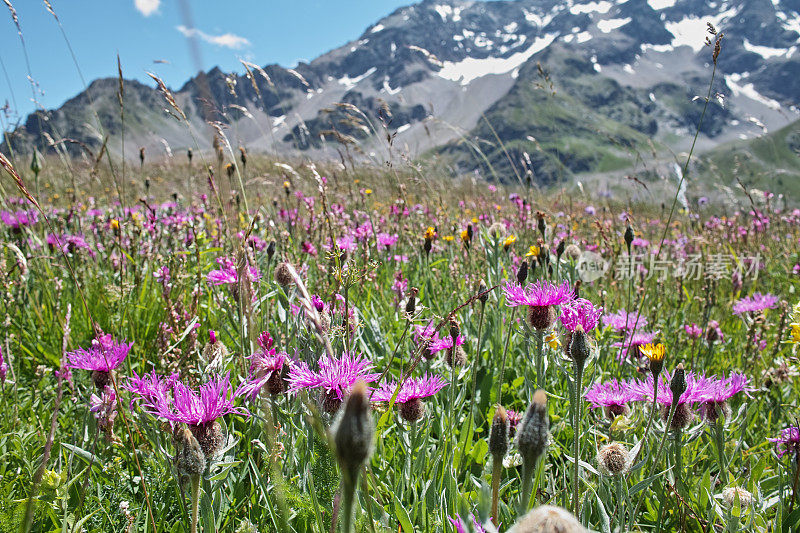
pixel 104 355
pixel 409 397
pixel 755 303
pixel 266 367
pixel 384 239
pixel 788 442
pixel 227 275
pixel 541 293
pixel 335 377
pixel 624 321
pixel 150 389
pixel 541 298
pixel 696 388
pixel 580 312
pixel 715 394
pixel 461 527
pixel 439 344
pixel 613 396
pixel 211 401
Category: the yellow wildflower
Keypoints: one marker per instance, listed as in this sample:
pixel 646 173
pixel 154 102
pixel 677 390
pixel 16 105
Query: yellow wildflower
pixel 430 233
pixel 795 334
pixel 654 352
pixel 511 239
pixel 533 251
pixel 449 238
pixel 465 236
pixel 367 191
pixel 553 340
pixel 115 224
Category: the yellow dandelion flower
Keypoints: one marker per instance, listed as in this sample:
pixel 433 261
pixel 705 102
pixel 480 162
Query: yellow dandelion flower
pixel 430 233
pixel 511 239
pixel 115 224
pixel 449 238
pixel 367 191
pixel 533 251
pixel 286 184
pixel 474 220
pixel 465 236
pixel 553 340
pixel 654 352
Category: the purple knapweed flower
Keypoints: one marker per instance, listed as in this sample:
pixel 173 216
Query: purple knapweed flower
pixel 612 396
pixel 384 239
pixel 580 311
pixel 541 297
pixel 624 321
pixel 788 442
pixel 716 392
pixel 461 527
pixel 410 396
pixel 335 377
pixel 104 355
pixel 755 303
pixel 266 367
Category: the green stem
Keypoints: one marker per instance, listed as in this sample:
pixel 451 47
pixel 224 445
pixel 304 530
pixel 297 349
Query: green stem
pixel 195 502
pixel 720 444
pixel 576 441
pixel 539 358
pixel 678 472
pixel 497 470
pixel 527 486
pixel 620 498
pixel 498 399
pixel 348 495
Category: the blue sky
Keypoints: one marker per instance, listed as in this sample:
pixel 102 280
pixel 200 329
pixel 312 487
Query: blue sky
pixel 144 31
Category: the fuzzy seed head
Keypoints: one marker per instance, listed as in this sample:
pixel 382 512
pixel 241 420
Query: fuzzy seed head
pixel 614 459
pixel 283 276
pixel 731 494
pixel 190 460
pixel 548 519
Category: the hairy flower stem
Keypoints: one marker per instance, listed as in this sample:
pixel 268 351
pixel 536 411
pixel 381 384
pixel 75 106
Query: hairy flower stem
pixel 498 399
pixel 620 498
pixel 678 470
pixel 195 502
pixel 497 470
pixel 348 495
pixel 720 445
pixel 576 441
pixel 538 357
pixel 527 487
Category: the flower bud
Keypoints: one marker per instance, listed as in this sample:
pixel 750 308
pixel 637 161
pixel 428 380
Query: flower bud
pixel 411 305
pixel 498 434
pixel 560 249
pixel 579 349
pixel 522 273
pixel 271 249
pixel 353 431
pixel 678 383
pixel 628 237
pixel 483 291
pixel 533 431
pixel 210 437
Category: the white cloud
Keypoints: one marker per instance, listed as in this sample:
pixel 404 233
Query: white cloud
pixel 147 7
pixel 228 40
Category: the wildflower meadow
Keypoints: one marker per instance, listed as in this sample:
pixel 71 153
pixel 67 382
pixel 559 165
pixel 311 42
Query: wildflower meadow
pixel 381 352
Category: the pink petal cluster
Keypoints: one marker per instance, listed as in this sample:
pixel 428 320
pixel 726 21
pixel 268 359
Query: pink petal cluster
pixel 541 293
pixel 105 354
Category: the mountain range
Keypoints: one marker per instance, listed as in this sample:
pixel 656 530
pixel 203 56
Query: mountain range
pixel 545 89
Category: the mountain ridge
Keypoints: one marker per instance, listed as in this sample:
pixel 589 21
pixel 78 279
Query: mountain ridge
pixel 444 78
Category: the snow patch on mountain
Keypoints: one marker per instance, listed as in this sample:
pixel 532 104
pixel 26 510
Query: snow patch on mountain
pixel 349 82
pixel 749 91
pixel 766 52
pixel 469 69
pixel 658 5
pixel 606 26
pixel 601 7
pixel 691 31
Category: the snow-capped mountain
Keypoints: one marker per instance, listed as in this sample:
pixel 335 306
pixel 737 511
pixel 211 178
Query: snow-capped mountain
pixel 549 86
